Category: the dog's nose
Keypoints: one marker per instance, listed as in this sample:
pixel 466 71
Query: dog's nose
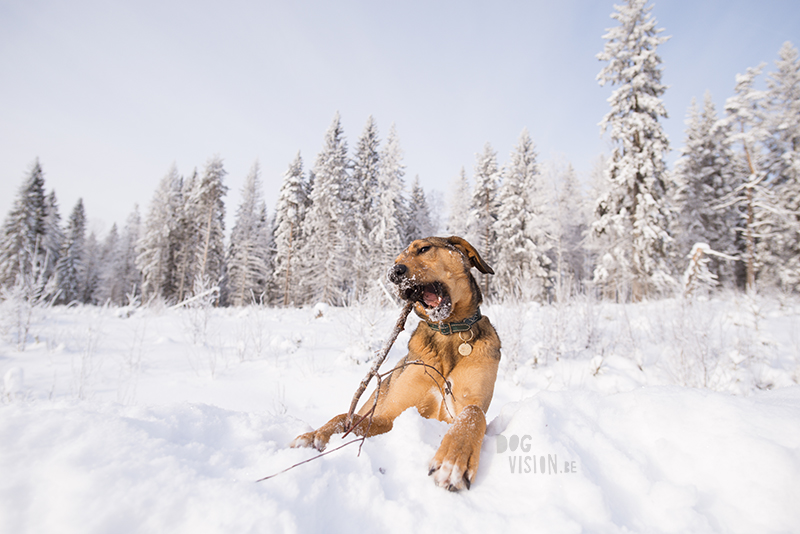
pixel 397 272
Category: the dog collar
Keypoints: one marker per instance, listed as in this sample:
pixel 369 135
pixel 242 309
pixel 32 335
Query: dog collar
pixel 460 326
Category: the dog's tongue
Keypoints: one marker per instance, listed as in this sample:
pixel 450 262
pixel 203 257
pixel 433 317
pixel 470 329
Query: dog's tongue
pixel 431 299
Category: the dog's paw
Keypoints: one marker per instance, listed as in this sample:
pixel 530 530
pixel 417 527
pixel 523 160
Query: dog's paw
pixel 456 462
pixel 315 439
pixel 454 465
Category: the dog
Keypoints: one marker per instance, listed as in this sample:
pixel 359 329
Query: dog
pixel 455 353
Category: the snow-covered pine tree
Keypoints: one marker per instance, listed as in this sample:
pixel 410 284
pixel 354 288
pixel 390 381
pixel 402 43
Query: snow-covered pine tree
pixel 185 236
pixel 483 209
pixel 247 255
pixel 521 264
pixel 569 224
pixel 419 223
pixel 53 235
pixel 289 215
pixel 633 215
pixel 22 243
pixel 458 208
pixel 121 279
pixel 704 176
pixel 266 241
pixel 107 266
pixel 753 197
pixel 324 257
pixel 363 206
pixel 155 257
pixel 93 261
pixel 389 231
pixel 71 267
pixel 783 146
pixel 211 220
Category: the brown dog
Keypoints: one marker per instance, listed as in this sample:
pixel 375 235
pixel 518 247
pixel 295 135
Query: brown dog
pixel 460 350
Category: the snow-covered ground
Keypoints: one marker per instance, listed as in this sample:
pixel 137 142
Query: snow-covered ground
pixel 667 416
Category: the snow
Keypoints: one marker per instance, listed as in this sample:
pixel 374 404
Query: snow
pixel 158 420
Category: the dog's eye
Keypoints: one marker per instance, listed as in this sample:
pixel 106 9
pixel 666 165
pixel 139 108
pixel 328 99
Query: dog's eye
pixel 424 249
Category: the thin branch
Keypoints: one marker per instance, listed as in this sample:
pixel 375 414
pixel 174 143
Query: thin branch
pixel 399 327
pixel 320 455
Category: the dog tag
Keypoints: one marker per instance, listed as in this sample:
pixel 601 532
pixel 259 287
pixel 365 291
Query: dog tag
pixel 465 349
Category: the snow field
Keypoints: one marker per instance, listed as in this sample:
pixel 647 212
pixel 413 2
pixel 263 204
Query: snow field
pixel 157 420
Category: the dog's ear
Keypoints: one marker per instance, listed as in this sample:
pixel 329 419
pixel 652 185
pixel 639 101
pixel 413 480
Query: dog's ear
pixel 470 252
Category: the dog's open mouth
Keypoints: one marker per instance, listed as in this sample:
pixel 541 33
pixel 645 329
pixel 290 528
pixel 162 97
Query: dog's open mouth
pixel 433 297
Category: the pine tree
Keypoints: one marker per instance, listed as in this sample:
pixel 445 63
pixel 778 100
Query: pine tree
pixel 157 244
pixel 753 197
pixel 483 208
pixel 23 239
pixel 521 265
pixel 363 207
pixel 459 203
pixel 211 212
pixel 783 146
pixel 289 216
pixel 704 176
pixel 324 257
pixel 633 215
pixel 419 213
pixel 121 279
pixel 71 266
pixel 569 224
pixel 247 256
pixel 389 235
pixel 53 235
pixel 185 236
pixel 92 263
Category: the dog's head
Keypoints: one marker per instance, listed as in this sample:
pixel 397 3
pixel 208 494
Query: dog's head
pixel 435 274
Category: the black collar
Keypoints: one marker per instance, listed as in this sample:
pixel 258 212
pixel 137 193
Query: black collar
pixel 460 326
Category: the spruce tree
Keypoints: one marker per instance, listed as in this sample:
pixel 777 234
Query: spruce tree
pixel 23 243
pixel 569 257
pixel 521 265
pixel 389 234
pixel 783 146
pixel 326 248
pixel 753 196
pixel 157 244
pixel 93 261
pixel 127 279
pixel 704 175
pixel 211 222
pixel 459 206
pixel 53 235
pixel 419 223
pixel 185 236
pixel 289 216
pixel 71 267
pixel 362 205
pixel 483 209
pixel 247 255
pixel 633 215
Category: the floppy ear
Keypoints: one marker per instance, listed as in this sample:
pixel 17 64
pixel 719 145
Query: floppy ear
pixel 470 252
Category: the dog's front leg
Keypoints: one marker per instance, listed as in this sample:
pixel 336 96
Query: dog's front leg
pixel 456 462
pixel 319 438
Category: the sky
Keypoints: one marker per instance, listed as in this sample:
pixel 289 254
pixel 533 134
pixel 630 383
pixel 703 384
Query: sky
pixel 109 95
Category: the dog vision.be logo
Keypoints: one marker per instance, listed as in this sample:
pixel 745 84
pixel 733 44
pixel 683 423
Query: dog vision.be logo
pixel 531 463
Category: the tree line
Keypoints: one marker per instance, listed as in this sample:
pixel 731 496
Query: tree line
pixel 734 191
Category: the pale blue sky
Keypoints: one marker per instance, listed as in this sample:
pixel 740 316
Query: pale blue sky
pixel 109 94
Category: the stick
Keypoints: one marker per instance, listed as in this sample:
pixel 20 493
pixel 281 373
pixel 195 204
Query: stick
pixel 399 327
pixel 368 415
pixel 298 464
